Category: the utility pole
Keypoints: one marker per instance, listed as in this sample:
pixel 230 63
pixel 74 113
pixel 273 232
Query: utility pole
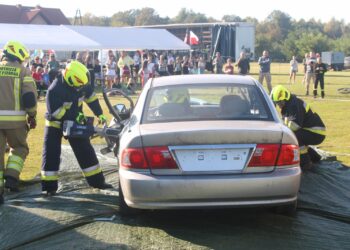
pixel 77 19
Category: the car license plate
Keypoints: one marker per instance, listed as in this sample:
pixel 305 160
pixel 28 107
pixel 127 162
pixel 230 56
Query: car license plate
pixel 222 159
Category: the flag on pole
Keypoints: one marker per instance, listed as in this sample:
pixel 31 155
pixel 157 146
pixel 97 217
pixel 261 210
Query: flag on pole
pixel 191 38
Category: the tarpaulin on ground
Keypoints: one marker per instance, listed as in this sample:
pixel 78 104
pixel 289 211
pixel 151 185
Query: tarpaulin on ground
pixel 83 218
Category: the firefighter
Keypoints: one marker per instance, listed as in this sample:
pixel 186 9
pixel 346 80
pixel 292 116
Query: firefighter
pixel 306 125
pixel 17 111
pixel 64 100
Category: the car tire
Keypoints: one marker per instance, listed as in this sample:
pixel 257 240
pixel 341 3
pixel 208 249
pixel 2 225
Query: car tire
pixel 124 209
pixel 289 209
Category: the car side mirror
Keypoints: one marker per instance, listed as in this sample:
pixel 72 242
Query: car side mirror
pixel 123 111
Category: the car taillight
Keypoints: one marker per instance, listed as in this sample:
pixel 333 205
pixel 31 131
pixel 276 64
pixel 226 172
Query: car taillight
pixel 160 158
pixel 289 155
pixel 133 158
pixel 274 154
pixel 264 155
pixel 148 157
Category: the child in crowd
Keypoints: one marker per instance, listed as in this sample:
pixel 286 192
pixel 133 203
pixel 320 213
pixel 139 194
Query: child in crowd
pixel 37 76
pixel 144 73
pixel 46 78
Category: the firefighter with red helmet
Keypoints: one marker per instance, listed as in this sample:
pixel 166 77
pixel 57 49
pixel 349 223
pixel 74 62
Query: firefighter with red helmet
pixel 18 103
pixel 64 100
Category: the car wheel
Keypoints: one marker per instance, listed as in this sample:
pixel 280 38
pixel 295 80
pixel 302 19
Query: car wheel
pixel 124 209
pixel 289 209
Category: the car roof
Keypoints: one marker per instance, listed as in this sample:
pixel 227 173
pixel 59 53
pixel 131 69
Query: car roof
pixel 202 79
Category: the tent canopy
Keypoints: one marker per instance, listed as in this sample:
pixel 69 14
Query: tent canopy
pixel 45 37
pixel 129 38
pixel 66 37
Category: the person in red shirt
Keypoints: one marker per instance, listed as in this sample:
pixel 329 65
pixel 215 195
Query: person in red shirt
pixel 38 78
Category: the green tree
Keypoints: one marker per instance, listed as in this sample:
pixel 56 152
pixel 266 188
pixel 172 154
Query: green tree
pixel 148 16
pixel 188 16
pixel 124 18
pixel 334 28
pixel 231 18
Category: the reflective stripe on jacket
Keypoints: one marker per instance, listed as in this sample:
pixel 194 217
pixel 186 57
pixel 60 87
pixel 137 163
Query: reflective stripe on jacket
pixel 15 81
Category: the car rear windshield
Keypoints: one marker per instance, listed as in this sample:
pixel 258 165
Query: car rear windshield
pixel 205 102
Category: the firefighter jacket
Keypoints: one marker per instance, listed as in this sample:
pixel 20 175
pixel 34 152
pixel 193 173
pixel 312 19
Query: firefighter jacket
pixel 18 95
pixel 298 115
pixel 65 103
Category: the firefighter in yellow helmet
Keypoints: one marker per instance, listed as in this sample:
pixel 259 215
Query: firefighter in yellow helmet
pixel 17 111
pixel 306 125
pixel 64 100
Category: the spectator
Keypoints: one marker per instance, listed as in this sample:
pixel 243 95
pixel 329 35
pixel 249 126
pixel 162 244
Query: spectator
pixel 137 63
pixel 90 66
pixel 265 64
pixel 144 73
pixel 185 66
pixel 293 69
pixel 218 62
pixel 111 72
pixel 310 71
pixel 306 58
pixel 46 77
pixel 124 65
pixel 37 63
pixel 53 64
pixel 243 64
pixel 320 69
pixel 228 67
pixel 201 65
pixel 162 66
pixel 178 66
pixel 37 76
pixel 171 62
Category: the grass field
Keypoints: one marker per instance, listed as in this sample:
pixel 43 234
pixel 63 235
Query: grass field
pixel 334 110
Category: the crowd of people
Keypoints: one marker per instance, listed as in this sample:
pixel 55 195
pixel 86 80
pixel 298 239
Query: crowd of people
pixel 127 69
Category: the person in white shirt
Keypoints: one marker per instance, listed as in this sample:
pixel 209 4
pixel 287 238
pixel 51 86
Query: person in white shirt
pixel 293 69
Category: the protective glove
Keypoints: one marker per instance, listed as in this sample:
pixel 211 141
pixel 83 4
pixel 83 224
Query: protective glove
pixel 102 119
pixel 81 119
pixel 291 124
pixel 31 122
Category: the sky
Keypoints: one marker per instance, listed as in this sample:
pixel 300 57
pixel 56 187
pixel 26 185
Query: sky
pixel 260 9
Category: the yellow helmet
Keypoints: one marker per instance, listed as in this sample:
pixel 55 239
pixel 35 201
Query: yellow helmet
pixel 177 95
pixel 280 93
pixel 76 74
pixel 16 49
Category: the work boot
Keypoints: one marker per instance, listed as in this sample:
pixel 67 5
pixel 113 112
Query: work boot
pixel 49 193
pixel 11 184
pixel 314 156
pixel 103 185
pixel 1 199
pixel 307 92
pixel 322 94
pixel 315 93
pixel 305 162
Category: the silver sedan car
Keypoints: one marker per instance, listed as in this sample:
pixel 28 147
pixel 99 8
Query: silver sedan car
pixel 206 141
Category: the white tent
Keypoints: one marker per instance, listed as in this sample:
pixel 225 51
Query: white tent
pixel 67 38
pixel 56 37
pixel 130 38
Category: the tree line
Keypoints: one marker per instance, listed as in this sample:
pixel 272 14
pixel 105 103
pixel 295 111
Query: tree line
pixel 279 33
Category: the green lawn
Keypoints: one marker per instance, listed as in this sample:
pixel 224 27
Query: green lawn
pixel 334 110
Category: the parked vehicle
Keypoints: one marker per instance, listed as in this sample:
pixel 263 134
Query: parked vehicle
pixel 347 62
pixel 206 141
pixel 334 60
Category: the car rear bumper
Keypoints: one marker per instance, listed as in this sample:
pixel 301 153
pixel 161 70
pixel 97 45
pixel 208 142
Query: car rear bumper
pixel 146 191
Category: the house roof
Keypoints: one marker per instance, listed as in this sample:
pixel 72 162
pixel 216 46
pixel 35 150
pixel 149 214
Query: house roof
pixel 25 14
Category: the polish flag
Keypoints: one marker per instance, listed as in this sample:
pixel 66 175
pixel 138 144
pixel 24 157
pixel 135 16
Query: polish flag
pixel 191 38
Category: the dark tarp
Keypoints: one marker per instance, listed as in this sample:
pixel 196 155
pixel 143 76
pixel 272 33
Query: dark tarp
pixel 83 218
pixel 223 40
